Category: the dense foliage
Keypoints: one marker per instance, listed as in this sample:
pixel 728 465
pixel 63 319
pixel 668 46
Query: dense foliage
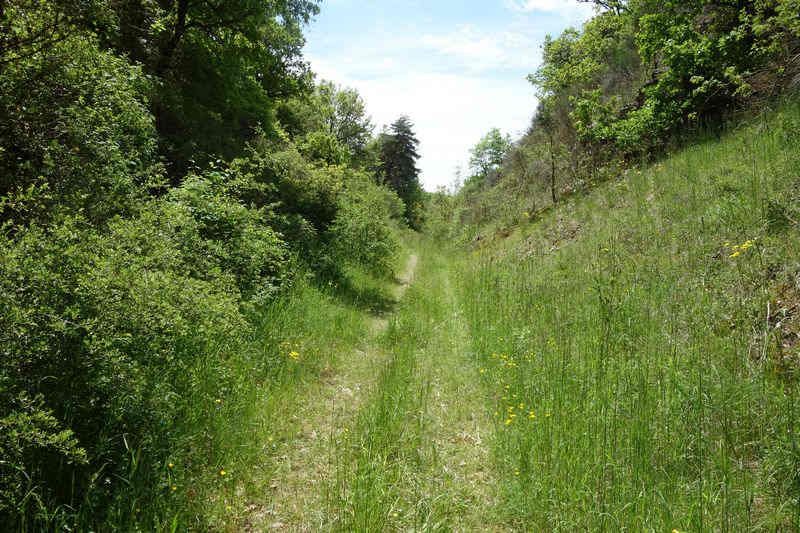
pixel 398 156
pixel 640 77
pixel 167 169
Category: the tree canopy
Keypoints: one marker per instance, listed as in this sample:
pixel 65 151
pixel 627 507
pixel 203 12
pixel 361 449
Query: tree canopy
pixel 399 165
pixel 222 67
pixel 489 153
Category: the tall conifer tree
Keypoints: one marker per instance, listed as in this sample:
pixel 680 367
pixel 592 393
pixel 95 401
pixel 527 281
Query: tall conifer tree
pixel 399 156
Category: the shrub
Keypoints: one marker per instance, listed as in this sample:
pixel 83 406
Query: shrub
pixel 108 337
pixel 236 239
pixel 364 231
pixel 76 134
pixel 291 184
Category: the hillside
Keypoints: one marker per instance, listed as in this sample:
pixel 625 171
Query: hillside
pixel 638 344
pixel 228 304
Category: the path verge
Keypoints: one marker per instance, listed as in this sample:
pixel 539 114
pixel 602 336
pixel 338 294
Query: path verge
pixel 304 457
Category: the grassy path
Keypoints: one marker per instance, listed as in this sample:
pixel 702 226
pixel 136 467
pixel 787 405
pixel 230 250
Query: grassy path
pixel 394 436
pixel 418 455
pixel 641 376
pixel 316 425
pixel 459 427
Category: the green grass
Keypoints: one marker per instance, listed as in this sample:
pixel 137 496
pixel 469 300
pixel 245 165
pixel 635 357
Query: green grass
pixel 234 431
pixel 628 362
pixel 407 463
pixel 640 355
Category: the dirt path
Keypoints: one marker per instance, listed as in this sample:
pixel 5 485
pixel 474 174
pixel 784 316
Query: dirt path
pixel 307 456
pixel 459 427
pixel 378 324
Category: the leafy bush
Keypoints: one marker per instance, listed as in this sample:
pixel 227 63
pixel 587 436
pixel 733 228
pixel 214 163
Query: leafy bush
pixel 286 180
pixel 76 134
pixel 363 231
pixel 235 239
pixel 105 336
pixel 127 301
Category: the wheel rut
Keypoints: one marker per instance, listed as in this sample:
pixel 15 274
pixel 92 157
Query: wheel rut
pixel 306 459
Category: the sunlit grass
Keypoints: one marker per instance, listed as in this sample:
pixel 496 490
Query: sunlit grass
pixel 638 377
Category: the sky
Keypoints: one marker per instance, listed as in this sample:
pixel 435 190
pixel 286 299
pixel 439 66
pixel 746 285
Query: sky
pixel 456 68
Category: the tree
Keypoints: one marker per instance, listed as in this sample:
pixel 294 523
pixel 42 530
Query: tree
pixel 344 116
pixel 615 6
pixel 222 66
pixel 399 166
pixel 32 27
pixel 546 123
pixel 489 153
pixel 331 115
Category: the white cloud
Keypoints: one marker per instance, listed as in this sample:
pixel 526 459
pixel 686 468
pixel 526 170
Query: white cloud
pixel 565 7
pixel 450 112
pixel 454 81
pixel 485 51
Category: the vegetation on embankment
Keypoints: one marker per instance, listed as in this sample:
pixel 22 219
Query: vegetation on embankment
pixel 637 80
pixel 639 344
pixel 173 184
pixel 192 229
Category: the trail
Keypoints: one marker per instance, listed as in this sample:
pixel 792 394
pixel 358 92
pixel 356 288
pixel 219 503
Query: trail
pixel 396 437
pixel 307 456
pixel 457 473
pixel 378 324
pixel 459 426
pixel 421 459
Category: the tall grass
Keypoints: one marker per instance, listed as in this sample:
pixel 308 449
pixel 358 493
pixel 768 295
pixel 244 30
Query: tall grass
pixel 391 471
pixel 230 432
pixel 639 374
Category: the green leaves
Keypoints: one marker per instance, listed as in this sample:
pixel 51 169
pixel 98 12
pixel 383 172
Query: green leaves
pixel 399 171
pixel 77 125
pixel 489 153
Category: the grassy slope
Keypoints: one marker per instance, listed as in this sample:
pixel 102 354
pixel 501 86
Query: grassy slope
pixel 640 366
pixel 617 365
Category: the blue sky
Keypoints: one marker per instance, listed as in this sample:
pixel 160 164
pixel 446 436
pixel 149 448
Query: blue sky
pixel 456 68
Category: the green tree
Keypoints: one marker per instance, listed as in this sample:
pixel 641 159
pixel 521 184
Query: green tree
pixel 222 65
pixel 344 116
pixel 487 156
pixel 331 124
pixel 399 166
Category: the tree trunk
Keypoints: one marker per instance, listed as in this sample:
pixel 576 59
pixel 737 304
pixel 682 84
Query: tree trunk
pixel 165 57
